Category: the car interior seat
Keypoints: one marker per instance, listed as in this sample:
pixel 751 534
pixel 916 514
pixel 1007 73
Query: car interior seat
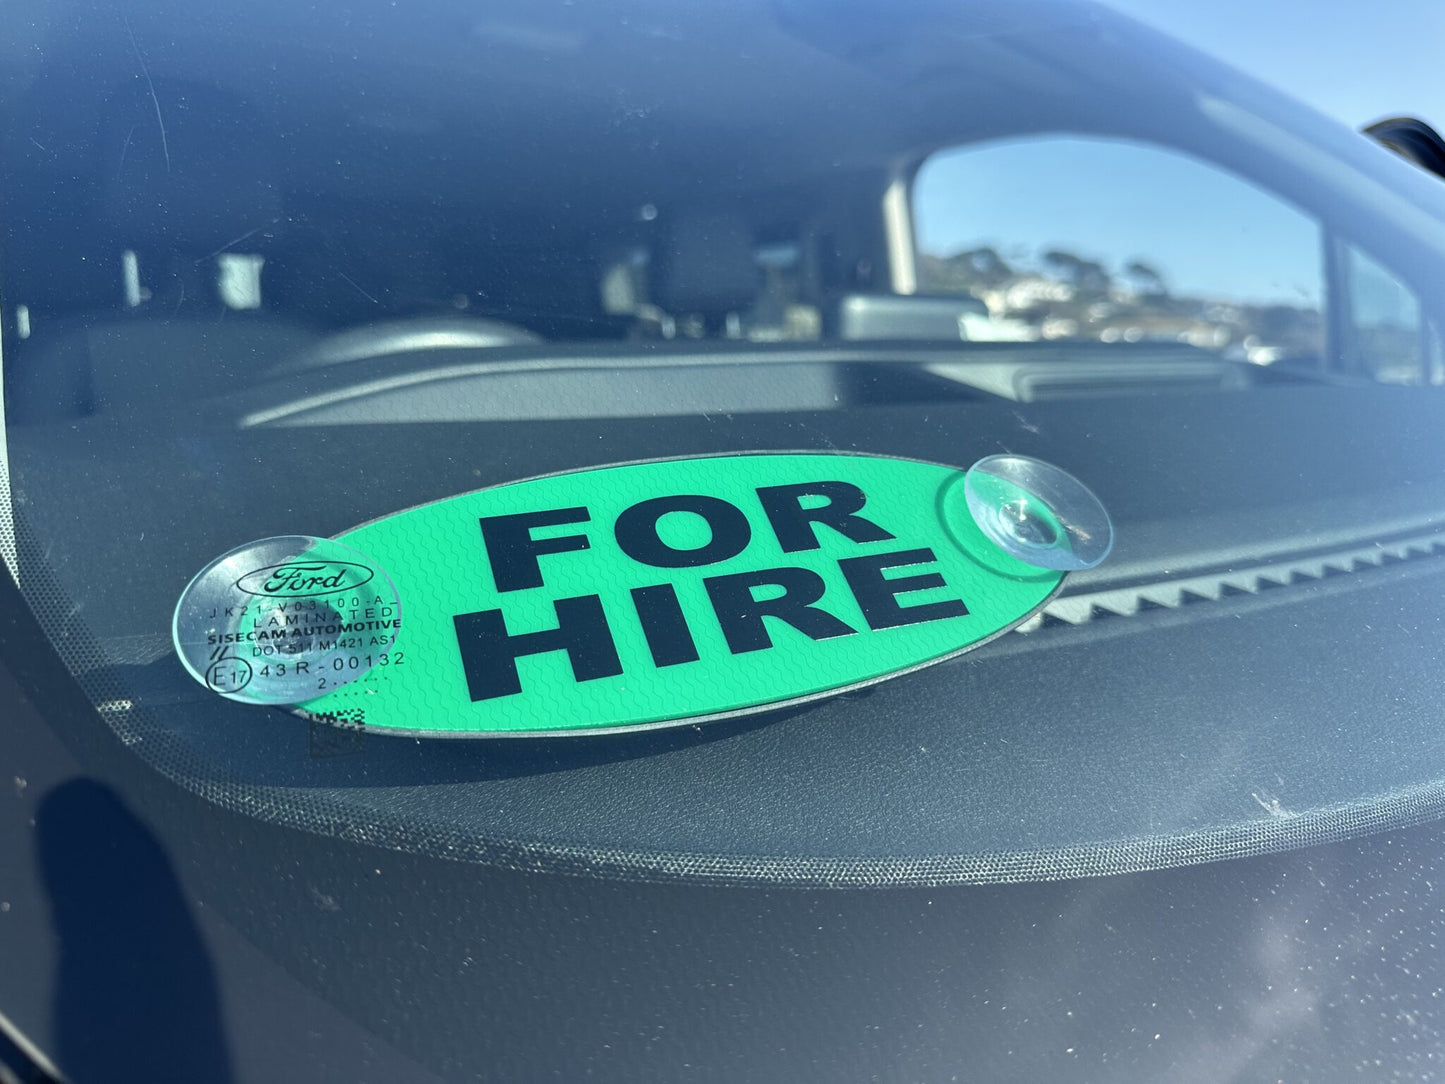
pixel 705 268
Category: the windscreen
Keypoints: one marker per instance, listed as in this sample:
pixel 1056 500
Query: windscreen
pixel 281 275
pixel 727 540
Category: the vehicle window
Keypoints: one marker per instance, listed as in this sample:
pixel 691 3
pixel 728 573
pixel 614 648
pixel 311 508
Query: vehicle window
pixel 544 371
pixel 1386 331
pixel 262 312
pixel 1110 241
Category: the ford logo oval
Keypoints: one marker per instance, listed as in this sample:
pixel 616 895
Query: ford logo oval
pixel 301 579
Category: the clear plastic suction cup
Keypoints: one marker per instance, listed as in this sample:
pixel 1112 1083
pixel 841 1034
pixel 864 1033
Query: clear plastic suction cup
pixel 284 620
pixel 1037 513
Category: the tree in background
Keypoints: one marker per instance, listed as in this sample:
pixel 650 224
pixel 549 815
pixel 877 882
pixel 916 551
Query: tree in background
pixel 1089 278
pixel 1145 280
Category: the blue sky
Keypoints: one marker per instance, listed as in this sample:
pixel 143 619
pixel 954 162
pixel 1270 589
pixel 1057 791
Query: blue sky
pixel 1354 62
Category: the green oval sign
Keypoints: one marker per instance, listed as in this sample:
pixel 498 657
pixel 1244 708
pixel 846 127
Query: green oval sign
pixel 652 594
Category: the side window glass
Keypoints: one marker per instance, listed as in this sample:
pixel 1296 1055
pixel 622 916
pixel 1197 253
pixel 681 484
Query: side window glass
pixel 1385 332
pixel 1097 240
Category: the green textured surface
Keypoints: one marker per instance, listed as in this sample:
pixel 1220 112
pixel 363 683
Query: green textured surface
pixel 436 557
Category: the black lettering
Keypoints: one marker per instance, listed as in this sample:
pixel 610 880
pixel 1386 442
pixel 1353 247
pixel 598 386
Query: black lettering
pixel 741 614
pixel 513 551
pixel 876 594
pixel 664 624
pixel 490 653
pixel 793 524
pixel 637 531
